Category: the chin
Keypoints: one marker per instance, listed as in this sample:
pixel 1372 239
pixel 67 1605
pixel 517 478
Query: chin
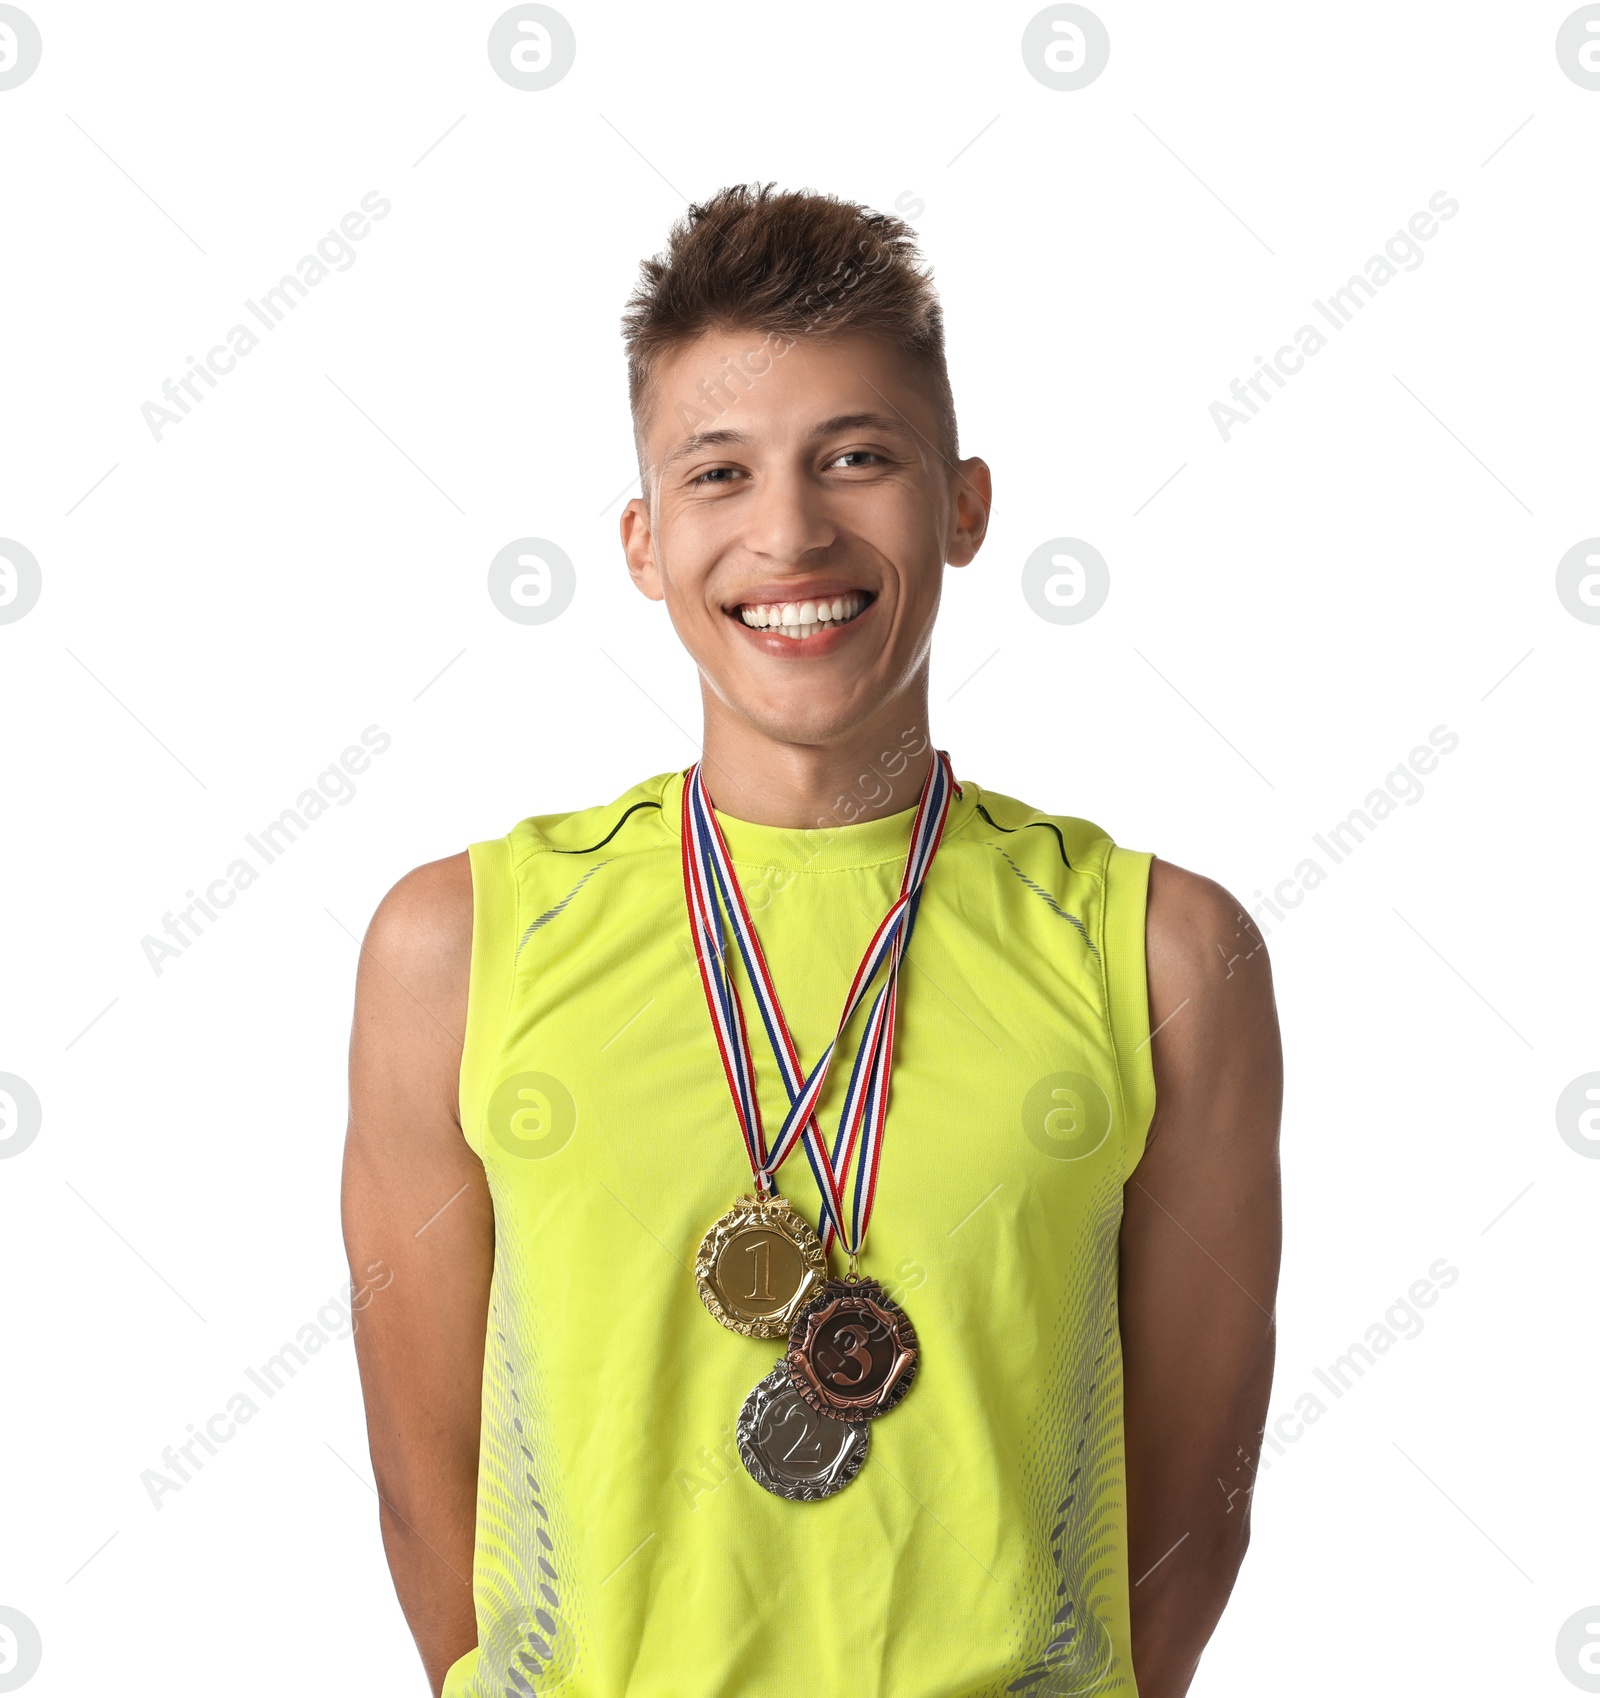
pixel 804 722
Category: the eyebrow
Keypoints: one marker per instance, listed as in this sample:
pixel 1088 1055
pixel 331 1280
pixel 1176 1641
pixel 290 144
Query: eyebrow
pixel 841 422
pixel 859 421
pixel 705 439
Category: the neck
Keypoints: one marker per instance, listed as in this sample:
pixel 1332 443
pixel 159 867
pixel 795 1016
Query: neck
pixel 877 768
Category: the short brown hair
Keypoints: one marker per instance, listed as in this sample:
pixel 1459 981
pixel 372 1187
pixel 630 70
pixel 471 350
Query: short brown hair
pixel 791 264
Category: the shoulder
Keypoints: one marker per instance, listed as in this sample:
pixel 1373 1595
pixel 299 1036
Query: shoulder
pixel 419 942
pixel 627 823
pixel 1212 1009
pixel 430 906
pixel 1195 929
pixel 411 1007
pixel 1023 832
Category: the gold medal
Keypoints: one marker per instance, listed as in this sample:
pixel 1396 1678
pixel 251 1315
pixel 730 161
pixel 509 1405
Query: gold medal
pixel 759 1266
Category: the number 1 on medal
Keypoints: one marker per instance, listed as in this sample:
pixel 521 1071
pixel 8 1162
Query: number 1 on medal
pixel 759 1291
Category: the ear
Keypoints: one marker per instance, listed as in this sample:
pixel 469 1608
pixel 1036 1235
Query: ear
pixel 972 494
pixel 638 548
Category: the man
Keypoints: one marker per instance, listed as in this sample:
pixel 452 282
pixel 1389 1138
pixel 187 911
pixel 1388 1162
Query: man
pixel 1015 1453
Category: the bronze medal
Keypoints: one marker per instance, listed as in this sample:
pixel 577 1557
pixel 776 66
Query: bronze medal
pixel 791 1450
pixel 852 1351
pixel 758 1266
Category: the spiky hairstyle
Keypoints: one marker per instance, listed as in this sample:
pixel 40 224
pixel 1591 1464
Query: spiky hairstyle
pixel 789 264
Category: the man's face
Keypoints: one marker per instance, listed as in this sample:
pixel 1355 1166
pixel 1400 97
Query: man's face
pixel 797 519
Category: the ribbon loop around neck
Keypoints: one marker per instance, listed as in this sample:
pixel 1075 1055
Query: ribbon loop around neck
pixel 711 888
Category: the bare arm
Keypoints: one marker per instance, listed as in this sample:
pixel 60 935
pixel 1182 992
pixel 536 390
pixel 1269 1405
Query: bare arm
pixel 415 1199
pixel 1201 1236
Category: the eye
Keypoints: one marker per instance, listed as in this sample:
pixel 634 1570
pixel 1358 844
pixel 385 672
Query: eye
pixel 716 474
pixel 860 456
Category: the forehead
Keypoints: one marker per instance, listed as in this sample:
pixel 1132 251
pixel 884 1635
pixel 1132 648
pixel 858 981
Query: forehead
pixel 772 387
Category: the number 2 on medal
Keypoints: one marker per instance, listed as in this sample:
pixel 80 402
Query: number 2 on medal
pixel 810 1441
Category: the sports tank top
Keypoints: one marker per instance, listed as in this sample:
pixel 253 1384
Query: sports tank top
pixel 621 1547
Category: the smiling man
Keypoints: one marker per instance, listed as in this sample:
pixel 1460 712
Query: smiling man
pixel 833 1206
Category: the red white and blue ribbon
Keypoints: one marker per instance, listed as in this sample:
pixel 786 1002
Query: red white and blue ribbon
pixel 711 887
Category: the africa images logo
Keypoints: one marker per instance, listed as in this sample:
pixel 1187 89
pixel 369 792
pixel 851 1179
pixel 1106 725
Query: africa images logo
pixel 20 52
pixel 20 581
pixel 1065 47
pixel 532 47
pixel 21 1649
pixel 21 1115
pixel 1578 47
pixel 1578 1642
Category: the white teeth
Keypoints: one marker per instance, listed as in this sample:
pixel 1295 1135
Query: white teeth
pixel 799 619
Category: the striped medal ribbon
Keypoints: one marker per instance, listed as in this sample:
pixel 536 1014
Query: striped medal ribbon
pixel 710 884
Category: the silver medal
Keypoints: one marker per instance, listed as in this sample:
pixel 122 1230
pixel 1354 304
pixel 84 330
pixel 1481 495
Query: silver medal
pixel 792 1450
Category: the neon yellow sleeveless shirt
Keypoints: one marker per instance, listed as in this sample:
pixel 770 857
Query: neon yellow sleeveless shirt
pixel 621 1546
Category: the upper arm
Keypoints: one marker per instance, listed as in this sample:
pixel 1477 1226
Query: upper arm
pixel 1202 1224
pixel 415 1200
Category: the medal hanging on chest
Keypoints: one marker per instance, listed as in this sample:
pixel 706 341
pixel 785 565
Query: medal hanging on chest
pixel 852 1352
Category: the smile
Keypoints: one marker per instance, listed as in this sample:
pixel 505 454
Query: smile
pixel 801 619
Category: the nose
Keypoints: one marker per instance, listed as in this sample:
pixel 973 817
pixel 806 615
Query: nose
pixel 787 520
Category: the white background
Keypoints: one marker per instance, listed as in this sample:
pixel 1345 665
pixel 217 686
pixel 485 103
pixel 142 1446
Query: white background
pixel 305 555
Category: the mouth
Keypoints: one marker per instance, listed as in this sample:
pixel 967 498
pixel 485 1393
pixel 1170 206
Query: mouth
pixel 806 619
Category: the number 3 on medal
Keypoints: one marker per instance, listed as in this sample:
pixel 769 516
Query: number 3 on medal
pixel 851 1343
